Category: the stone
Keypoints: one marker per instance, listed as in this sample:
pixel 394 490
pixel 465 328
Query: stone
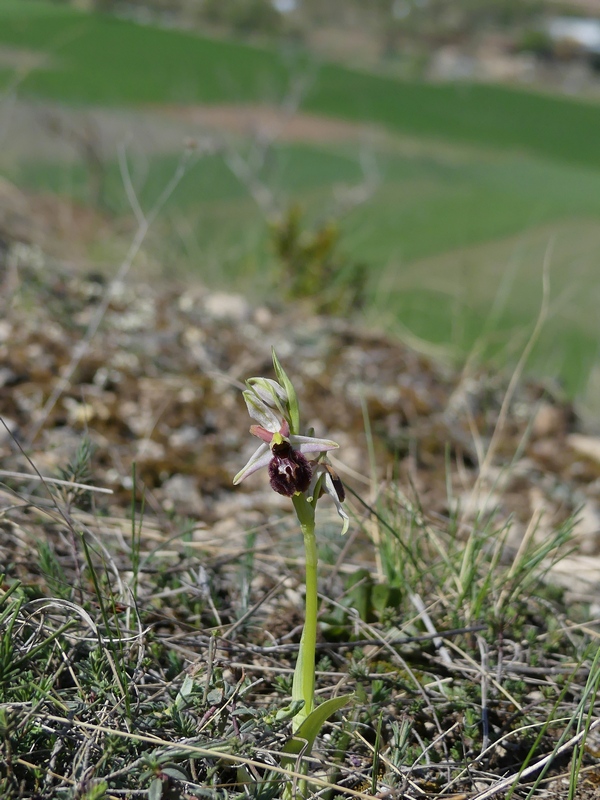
pixel 549 420
pixel 587 528
pixel 588 446
pixel 222 306
pixel 182 496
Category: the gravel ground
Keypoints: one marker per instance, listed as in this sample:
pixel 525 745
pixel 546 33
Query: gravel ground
pixel 159 383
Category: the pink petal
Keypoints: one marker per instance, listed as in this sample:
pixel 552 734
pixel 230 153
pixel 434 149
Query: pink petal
pixel 261 433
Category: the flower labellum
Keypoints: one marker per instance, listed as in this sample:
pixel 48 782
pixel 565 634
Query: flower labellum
pixel 294 448
pixel 289 471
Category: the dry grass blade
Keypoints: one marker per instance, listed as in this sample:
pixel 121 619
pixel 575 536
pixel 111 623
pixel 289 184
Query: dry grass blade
pixel 507 783
pixel 56 481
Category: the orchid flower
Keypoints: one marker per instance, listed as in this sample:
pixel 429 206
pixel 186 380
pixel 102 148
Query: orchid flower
pixel 275 407
pixel 283 454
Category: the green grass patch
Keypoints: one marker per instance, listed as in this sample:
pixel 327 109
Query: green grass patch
pixel 425 206
pixel 106 60
pixel 112 61
pixel 433 206
pixel 19 9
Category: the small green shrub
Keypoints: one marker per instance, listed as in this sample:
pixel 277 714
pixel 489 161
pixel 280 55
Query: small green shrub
pixel 313 267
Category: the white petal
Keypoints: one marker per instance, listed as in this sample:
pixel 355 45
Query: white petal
pixel 258 460
pixel 309 444
pixel 321 479
pixel 261 412
pixel 269 394
pixel 331 491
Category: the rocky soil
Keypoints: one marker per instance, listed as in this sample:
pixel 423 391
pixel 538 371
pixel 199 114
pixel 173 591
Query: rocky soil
pixel 158 384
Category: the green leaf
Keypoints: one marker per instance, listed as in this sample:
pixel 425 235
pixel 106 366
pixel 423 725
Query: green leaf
pixel 215 697
pixel 184 693
pixel 293 407
pixel 243 776
pixel 288 712
pixel 304 738
pixel 156 789
pixel 175 773
pixel 96 791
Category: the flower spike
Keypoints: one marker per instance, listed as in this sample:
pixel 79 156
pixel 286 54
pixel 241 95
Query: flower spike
pixel 274 405
pixel 282 450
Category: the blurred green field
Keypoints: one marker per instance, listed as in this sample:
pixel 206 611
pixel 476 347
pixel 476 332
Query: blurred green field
pixel 104 60
pixel 455 234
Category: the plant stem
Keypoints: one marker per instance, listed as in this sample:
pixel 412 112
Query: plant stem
pixel 304 675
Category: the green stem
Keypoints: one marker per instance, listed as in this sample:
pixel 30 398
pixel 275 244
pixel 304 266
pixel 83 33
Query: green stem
pixel 303 687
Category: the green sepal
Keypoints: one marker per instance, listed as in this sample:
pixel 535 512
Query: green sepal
pixel 293 407
pixel 175 773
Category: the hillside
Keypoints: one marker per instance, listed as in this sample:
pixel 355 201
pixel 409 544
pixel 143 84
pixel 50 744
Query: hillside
pixel 465 188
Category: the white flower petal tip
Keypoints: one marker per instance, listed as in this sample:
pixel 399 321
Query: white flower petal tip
pixel 258 460
pixel 345 519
